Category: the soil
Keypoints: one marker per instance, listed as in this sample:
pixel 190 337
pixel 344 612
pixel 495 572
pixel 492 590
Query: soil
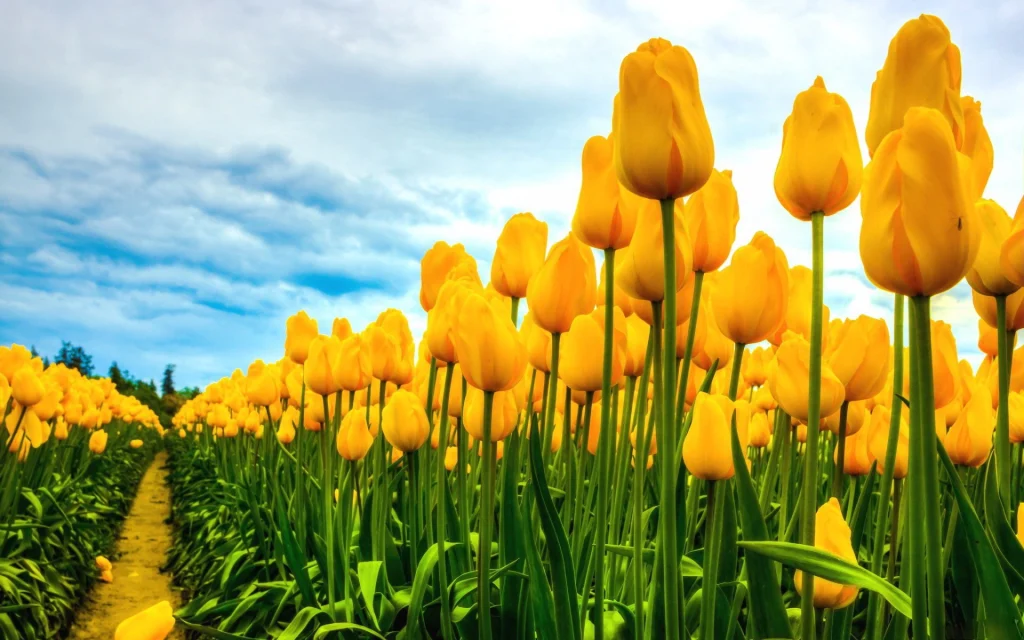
pixel 141 549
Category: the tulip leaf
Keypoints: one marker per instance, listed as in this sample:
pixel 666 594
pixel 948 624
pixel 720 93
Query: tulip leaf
pixel 208 631
pixel 767 611
pixel 539 590
pixel 323 631
pixel 1007 546
pixel 294 555
pixel 829 566
pixel 367 573
pixel 510 532
pixel 424 572
pixel 567 615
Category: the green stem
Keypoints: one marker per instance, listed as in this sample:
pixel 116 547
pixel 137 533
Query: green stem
pixel 1005 354
pixel 810 484
pixel 603 475
pixel 639 468
pixel 691 332
pixel 515 311
pixel 837 481
pixel 328 484
pixel 734 379
pixel 712 549
pixel 442 437
pixel 486 516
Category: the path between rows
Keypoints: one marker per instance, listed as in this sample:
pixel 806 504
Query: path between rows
pixel 141 550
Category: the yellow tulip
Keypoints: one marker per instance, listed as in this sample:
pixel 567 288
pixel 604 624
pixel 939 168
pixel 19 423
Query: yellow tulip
pixel 301 329
pixel 605 211
pixel 444 317
pixel 437 266
pixel 856 416
pixel 263 390
pixel 395 324
pixel 760 431
pixel 637 333
pixel 640 267
pixel 857 460
pixel 60 429
pixel 1011 256
pixel 711 344
pixel 798 309
pixel 582 364
pixel 878 432
pixel 341 328
pixel 750 295
pixel 103 564
pixel 622 300
pixel 1020 523
pixel 684 300
pixel 26 387
pixel 820 166
pixel 707 448
pixel 136 444
pixel 763 398
pixel 860 356
pixel 504 414
pixel 564 287
pixel 920 231
pixel 922 69
pixel 945 367
pixel 1016 409
pixel 986 308
pixel 832 534
pixel 492 356
pixel 286 427
pixel 154 623
pixel 319 368
pixel 969 440
pixel 986 275
pixel 354 438
pixel 519 254
pixel 754 366
pixel 664 147
pixel 353 369
pixel 977 145
pixel 98 442
pixel 710 216
pixel 788 381
pixel 405 421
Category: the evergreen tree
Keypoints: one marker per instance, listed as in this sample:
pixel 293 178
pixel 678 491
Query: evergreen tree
pixel 167 387
pixel 74 357
pixel 121 383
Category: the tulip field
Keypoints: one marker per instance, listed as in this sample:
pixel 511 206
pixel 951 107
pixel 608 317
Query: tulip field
pixel 644 429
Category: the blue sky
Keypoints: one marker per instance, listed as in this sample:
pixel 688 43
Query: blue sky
pixel 176 178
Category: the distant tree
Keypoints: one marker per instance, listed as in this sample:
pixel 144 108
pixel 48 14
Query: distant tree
pixel 167 387
pixel 189 392
pixel 121 383
pixel 35 354
pixel 74 357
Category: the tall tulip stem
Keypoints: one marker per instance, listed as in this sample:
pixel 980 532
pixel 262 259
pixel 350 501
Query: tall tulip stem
pixel 1004 354
pixel 837 480
pixel 442 570
pixel 691 333
pixel 486 518
pixel 515 312
pixel 669 464
pixel 712 549
pixel 603 475
pixel 810 485
pixel 328 484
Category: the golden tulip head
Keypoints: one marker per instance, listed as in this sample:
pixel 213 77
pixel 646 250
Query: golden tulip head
pixel 760 432
pixel 986 308
pixel 319 367
pixel 341 328
pixel 637 334
pixel 1016 410
pixel 976 145
pixel 986 275
pixel 354 439
pixel 858 458
pixel 353 369
pixel 856 415
pixel 788 379
pixel 859 356
pixel 712 344
pixel 798 309
pixel 969 440
pixel 605 211
pixel 920 232
pixel 504 414
pixel 451 458
pixel 763 399
pixel 438 264
pixel 491 353
pixel 26 387
pixel 878 432
pixel 405 421
pixel 564 287
pixel 582 357
pixel 396 326
pixel 286 427
pixel 136 444
pixel 754 366
pixel 538 344
pixel 710 217
pixel 945 365
pixel 640 267
pixel 103 564
pixel 98 441
pixel 60 429
pixel 301 329
pixel 922 69
pixel 707 448
pixel 519 254
pixel 832 534
pixel 987 336
pixel 155 623
pixel 620 298
pixel 1011 256
pixel 750 296
pixel 13 358
pixel 443 319
pixel 820 167
pixel 262 390
pixel 663 144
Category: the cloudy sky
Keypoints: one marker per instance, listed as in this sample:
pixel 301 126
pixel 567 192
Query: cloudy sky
pixel 176 178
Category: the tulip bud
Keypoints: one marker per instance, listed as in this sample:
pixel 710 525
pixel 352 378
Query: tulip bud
pixel 663 144
pixel 977 145
pixel 860 356
pixel 354 439
pixel 986 275
pixel 707 448
pixel 750 295
pixel 945 366
pixel 760 430
pixel 917 171
pixel 451 459
pixel 504 414
pixel 637 333
pixel 60 430
pixel 986 308
pixel 319 369
pixel 1011 256
pixel 262 391
pixel 858 458
pixel 620 298
pixel 820 166
pixel 605 211
pixel 155 623
pixel 341 328
pixel 969 441
pixel 103 564
pixel 582 366
pixel 856 415
pixel 492 356
pixel 1016 409
pixel 712 344
pixel 301 330
pixel 640 267
pixel 832 534
pixel 798 309
pixel 519 254
pixel 710 216
pixel 98 442
pixel 878 431
pixel 788 379
pixel 438 262
pixel 405 421
pixel 564 287
pixel 26 387
pixel 1020 523
pixel 135 444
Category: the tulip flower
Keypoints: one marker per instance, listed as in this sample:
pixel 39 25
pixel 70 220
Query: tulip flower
pixel 504 416
pixel 301 331
pixel 637 333
pixel 319 368
pixel 60 429
pixel 710 344
pixel 857 460
pixel 564 287
pixel 985 306
pixel 754 366
pixel 750 295
pixel 438 263
pixel 154 623
pixel 492 356
pixel 13 358
pixel 286 428
pixel 986 275
pixel 878 430
pixel 640 268
pixel 820 167
pixel 710 216
pixel 98 442
pixel 519 254
pixel 405 422
pixel 760 432
pixel 605 211
pixel 262 391
pixel 832 534
pixel 788 380
pixel 922 69
pixel 341 328
pixel 945 366
pixel 581 361
pixel 917 171
pixel 1011 256
pixel 26 387
pixel 136 444
pixel 976 145
pixel 1016 410
pixel 860 356
pixel 1020 523
pixel 856 417
pixel 354 439
pixel 797 309
pixel 969 441
pixel 707 452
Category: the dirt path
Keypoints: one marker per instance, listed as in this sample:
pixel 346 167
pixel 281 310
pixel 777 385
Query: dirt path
pixel 138 582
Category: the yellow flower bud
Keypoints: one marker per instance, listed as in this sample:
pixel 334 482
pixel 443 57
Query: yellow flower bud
pixel 859 356
pixel 405 421
pixel 583 357
pixel 354 439
pixel 564 287
pixel 519 254
pixel 1011 256
pixel 986 274
pixel 154 623
pixel 788 379
pixel 707 448
pixel 26 387
pixel 301 329
pixel 640 267
pixel 977 145
pixel 832 534
pixel 492 356
pixel 438 264
pixel 750 295
pixel 98 442
pixel 504 414
pixel 341 328
pixel 969 440
pixel 605 211
pixel 878 432
pixel 710 216
pixel 354 367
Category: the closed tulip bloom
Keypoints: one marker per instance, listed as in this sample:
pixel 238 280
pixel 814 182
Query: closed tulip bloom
pixel 286 427
pixel 519 254
pixel 969 440
pixel 922 69
pixel 750 295
pixel 301 329
pixel 47 407
pixel 564 287
pixel 341 328
pixel 504 414
pixel 405 421
pixel 760 432
pixel 977 145
pixel 860 356
pixel 788 379
pixel 663 142
pixel 990 376
pixel 451 459
pixel 858 458
pixel 385 352
pixel 878 432
pixel 582 360
pixel 437 263
pixel 13 358
pixel 605 211
pixel 1020 523
pixel 987 338
pixel 26 387
pixel 353 369
pixel 396 325
pixel 820 166
pixel 103 564
pixel 538 344
pixel 98 442
pixel 763 398
pixel 262 390
pixel 640 268
pixel 354 439
pixel 832 534
pixel 1016 409
pixel 319 369
pixel 60 429
pixel 684 300
pixel 444 317
pixel 1011 256
pixel 754 366
pixel 986 308
pixel 492 356
pixel 920 231
pixel 945 365
pixel 710 216
pixel 715 345
pixel 798 310
pixel 856 415
pixel 637 334
pixel 155 623
pixel 986 275
pixel 707 451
